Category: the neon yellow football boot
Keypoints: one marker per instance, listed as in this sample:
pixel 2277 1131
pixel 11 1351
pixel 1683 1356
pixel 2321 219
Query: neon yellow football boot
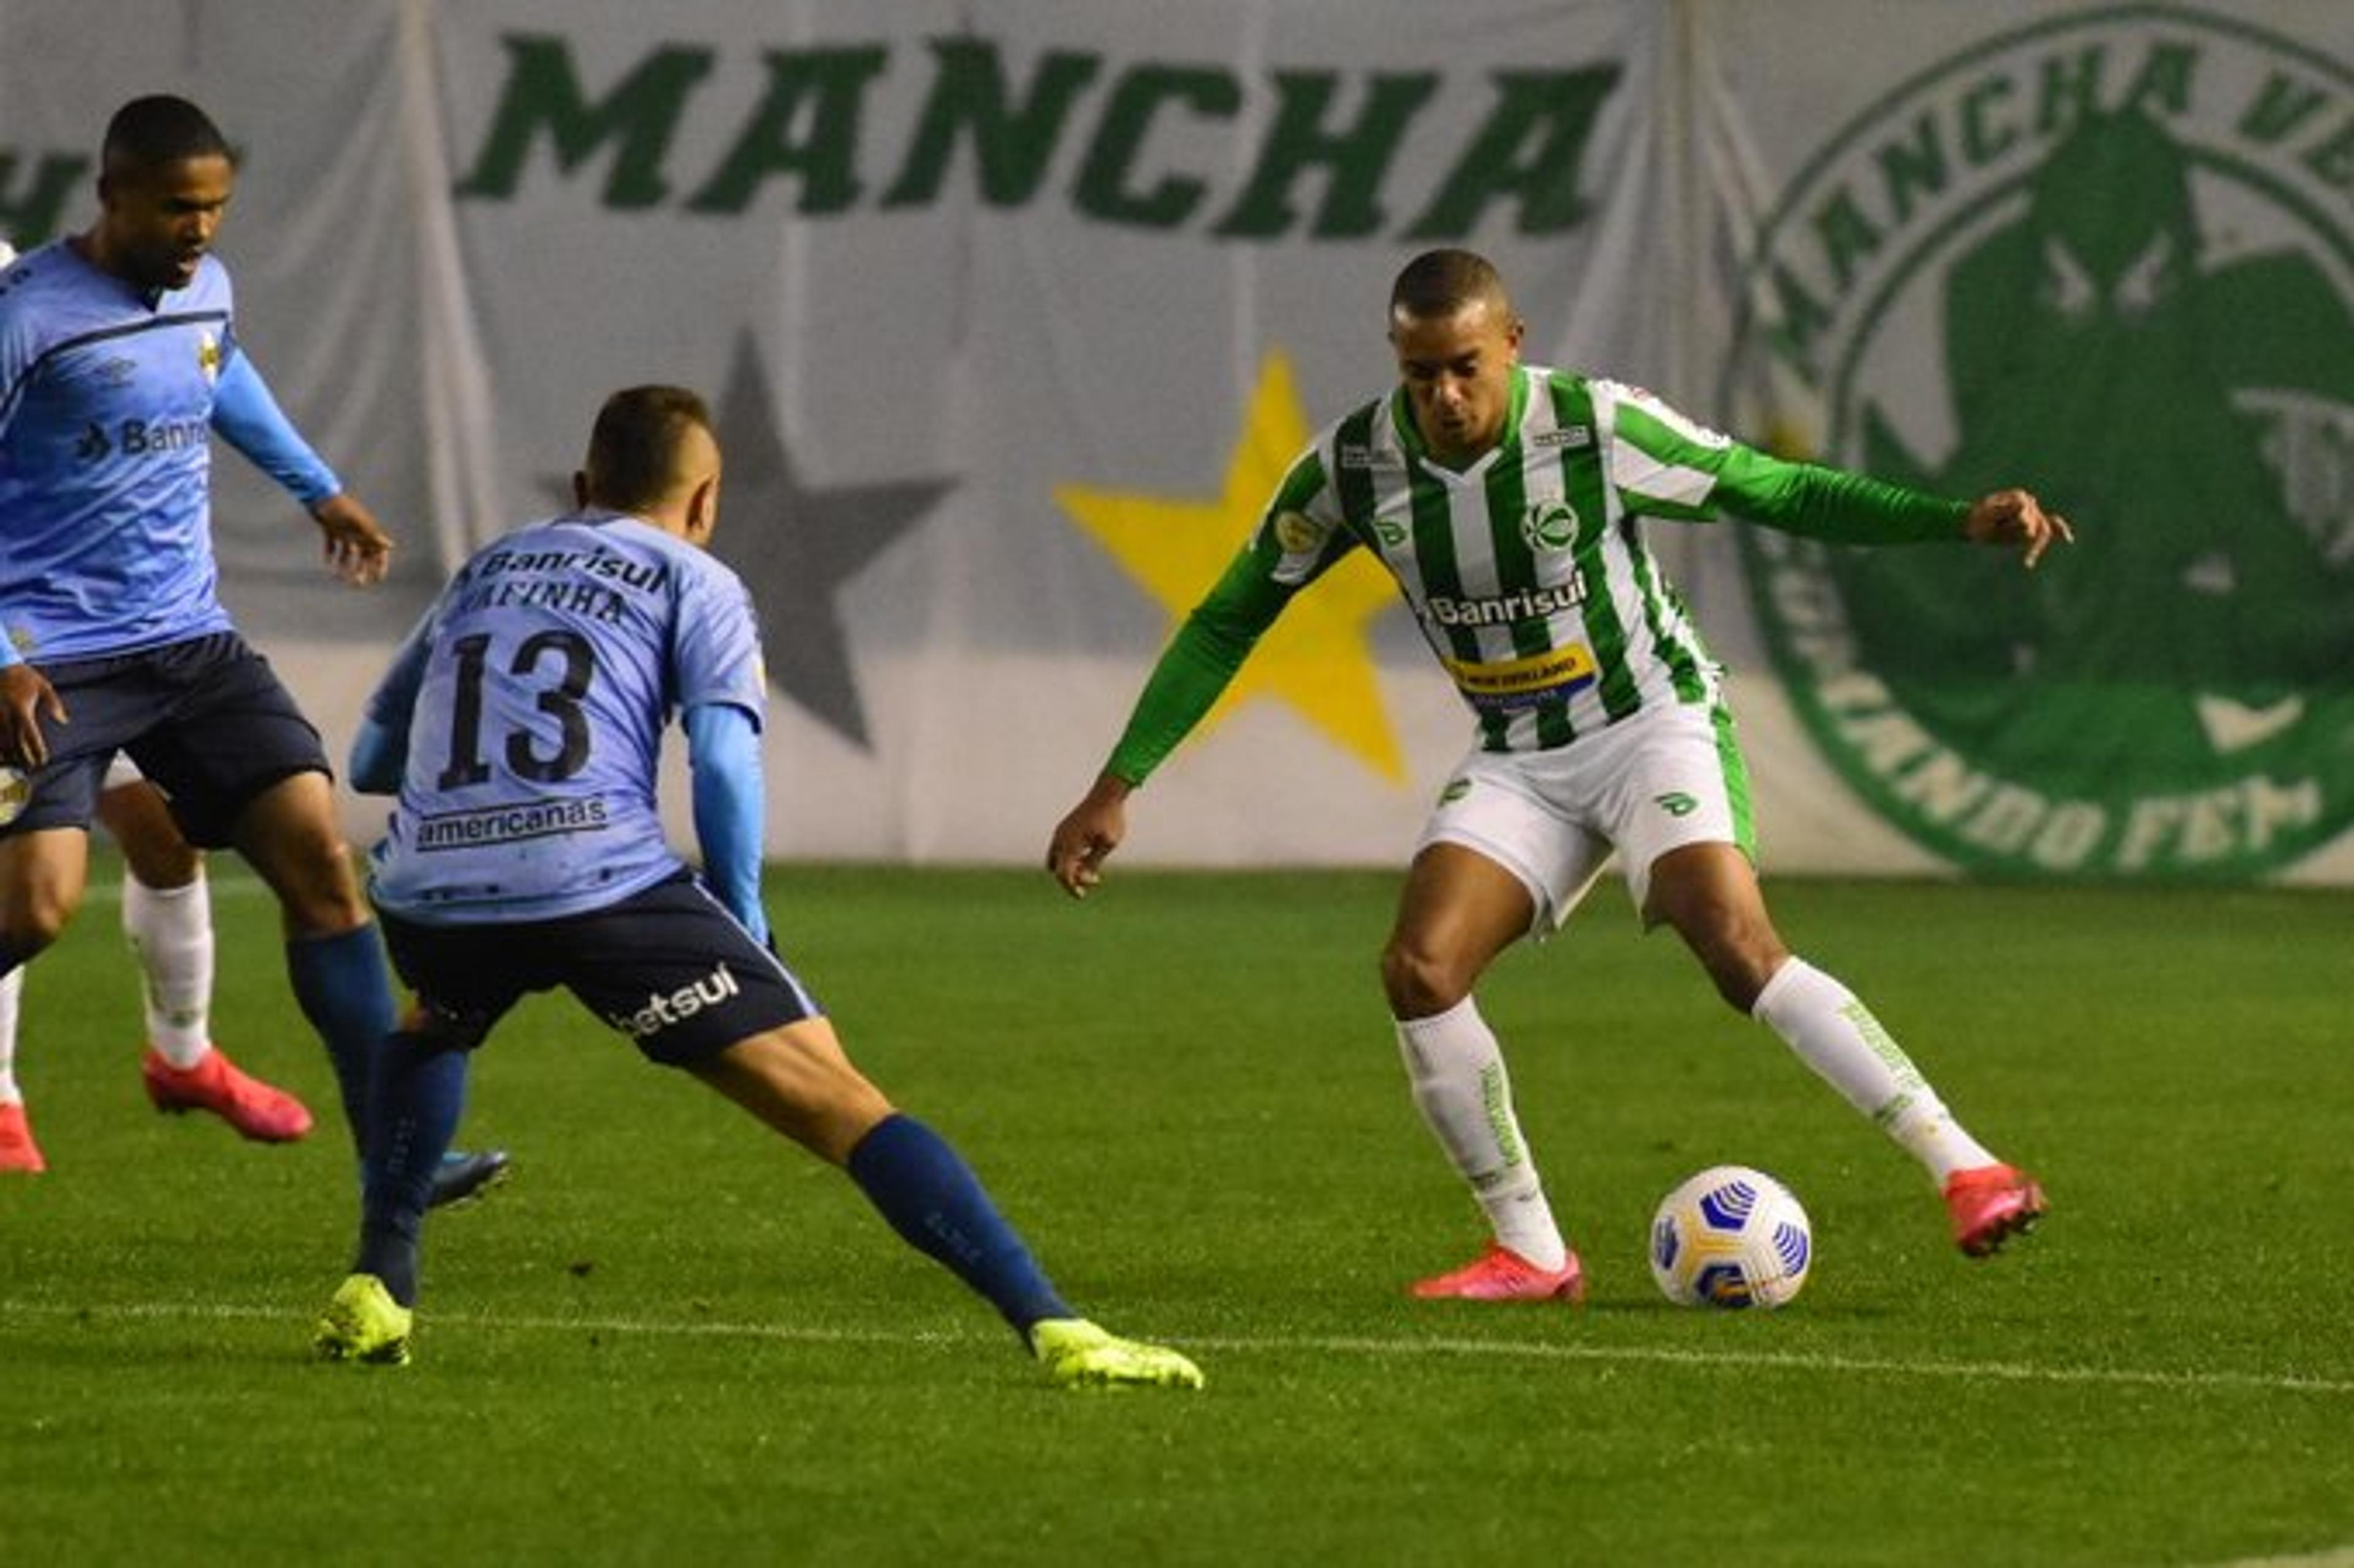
pixel 1078 1354
pixel 364 1323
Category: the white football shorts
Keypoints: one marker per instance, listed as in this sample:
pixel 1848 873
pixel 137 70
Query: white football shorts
pixel 1659 780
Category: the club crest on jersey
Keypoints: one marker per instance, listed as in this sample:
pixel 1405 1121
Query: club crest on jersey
pixel 1987 277
pixel 1549 525
pixel 15 794
pixel 1298 533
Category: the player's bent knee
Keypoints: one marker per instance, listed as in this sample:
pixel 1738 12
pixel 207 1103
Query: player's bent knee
pixel 1740 971
pixel 35 919
pixel 318 889
pixel 1419 983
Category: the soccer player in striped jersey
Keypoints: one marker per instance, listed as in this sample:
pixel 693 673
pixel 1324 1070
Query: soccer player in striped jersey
pixel 118 361
pixel 1509 502
pixel 522 726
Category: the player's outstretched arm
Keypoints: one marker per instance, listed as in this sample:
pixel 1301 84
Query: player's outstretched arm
pixel 359 549
pixel 248 416
pixel 1085 838
pixel 2016 517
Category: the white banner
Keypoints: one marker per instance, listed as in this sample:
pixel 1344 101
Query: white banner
pixel 1013 313
pixel 2106 250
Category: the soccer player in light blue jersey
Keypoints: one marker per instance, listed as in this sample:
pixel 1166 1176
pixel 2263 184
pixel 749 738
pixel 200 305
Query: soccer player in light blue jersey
pixel 118 361
pixel 521 726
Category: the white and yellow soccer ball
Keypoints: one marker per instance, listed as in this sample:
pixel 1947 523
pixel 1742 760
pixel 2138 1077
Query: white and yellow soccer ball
pixel 1731 1237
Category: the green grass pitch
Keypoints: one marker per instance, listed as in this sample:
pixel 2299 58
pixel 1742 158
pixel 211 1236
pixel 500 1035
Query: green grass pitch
pixel 673 1338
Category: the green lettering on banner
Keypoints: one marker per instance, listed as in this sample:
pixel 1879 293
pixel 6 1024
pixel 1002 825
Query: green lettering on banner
pixel 1986 132
pixel 1532 147
pixel 1913 170
pixel 2279 109
pixel 1142 164
pixel 542 93
pixel 1357 158
pixel 2163 85
pixel 1011 144
pixel 2071 94
pixel 1106 189
pixel 831 85
pixel 30 218
pixel 1849 239
pixel 2333 161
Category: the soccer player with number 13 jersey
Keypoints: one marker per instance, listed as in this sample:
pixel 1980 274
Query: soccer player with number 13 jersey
pixel 522 726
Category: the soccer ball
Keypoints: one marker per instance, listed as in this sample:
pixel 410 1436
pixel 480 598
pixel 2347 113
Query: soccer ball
pixel 1731 1237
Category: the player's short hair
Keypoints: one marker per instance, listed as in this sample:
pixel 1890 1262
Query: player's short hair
pixel 1441 282
pixel 148 132
pixel 637 448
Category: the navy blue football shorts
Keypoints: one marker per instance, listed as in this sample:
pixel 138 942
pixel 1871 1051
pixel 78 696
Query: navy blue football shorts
pixel 668 967
pixel 206 720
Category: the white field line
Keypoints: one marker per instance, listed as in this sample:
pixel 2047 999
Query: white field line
pixel 237 885
pixel 1396 1349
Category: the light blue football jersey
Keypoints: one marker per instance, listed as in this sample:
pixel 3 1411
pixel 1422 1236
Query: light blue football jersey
pixel 106 403
pixel 535 695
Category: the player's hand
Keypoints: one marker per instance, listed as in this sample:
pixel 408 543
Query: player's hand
pixel 1086 838
pixel 2016 517
pixel 358 550
pixel 26 696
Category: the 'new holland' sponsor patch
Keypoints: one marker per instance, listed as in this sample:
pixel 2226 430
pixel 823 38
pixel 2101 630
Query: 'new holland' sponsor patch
pixel 1511 685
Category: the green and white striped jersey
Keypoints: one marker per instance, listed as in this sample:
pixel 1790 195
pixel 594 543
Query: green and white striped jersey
pixel 1527 570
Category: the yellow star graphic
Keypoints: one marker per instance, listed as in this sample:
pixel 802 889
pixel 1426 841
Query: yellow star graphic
pixel 1316 657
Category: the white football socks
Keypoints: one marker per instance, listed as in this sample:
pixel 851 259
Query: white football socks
pixel 12 988
pixel 1457 1070
pixel 171 931
pixel 1836 1035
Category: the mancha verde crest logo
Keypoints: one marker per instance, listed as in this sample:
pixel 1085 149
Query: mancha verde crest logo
pixel 2108 257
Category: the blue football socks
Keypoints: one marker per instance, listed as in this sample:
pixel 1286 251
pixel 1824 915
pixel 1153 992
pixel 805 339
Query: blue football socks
pixel 341 985
pixel 934 1201
pixel 415 1099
